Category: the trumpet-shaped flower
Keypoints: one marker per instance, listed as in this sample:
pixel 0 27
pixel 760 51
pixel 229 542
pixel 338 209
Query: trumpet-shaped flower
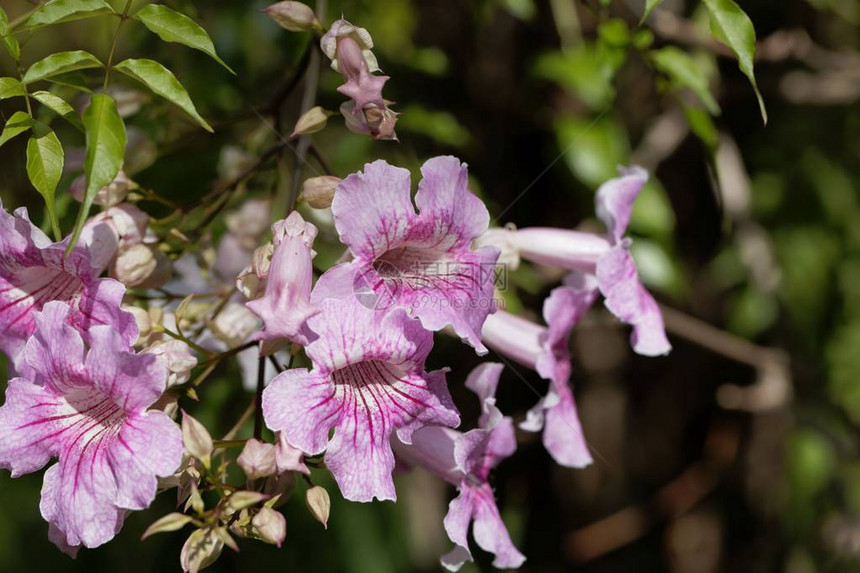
pixel 87 406
pixel 605 257
pixel 285 306
pixel 545 349
pixel 420 262
pixel 465 460
pixel 34 271
pixel 368 381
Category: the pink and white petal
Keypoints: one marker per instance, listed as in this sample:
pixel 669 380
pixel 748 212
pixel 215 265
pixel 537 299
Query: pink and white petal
pixel 562 310
pixel 146 447
pixel 340 282
pixel 444 199
pixel 490 532
pixel 483 380
pixel 350 333
pixel 627 299
pixel 359 455
pixel 58 538
pixel 101 241
pixel 417 401
pixel 289 458
pixel 77 497
pixel 29 433
pixel 303 406
pixel 373 209
pixel 56 349
pixel 133 381
pixel 456 523
pixel 461 296
pixel 615 198
pixel 503 441
pixel 100 305
pixel 433 449
pixel 563 437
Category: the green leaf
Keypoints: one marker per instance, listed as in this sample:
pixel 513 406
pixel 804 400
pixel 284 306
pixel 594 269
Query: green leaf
pixel 162 81
pixel 17 124
pixel 105 152
pixel 74 80
pixel 57 11
pixel 10 87
pixel 10 42
pixel 731 26
pixel 61 63
pixel 171 26
pixel 649 6
pixel 701 125
pixel 685 72
pixel 45 167
pixel 59 106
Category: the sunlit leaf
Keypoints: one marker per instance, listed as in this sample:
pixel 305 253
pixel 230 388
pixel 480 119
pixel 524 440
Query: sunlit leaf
pixel 17 124
pixel 10 42
pixel 45 167
pixel 59 106
pixel 61 63
pixel 731 26
pixel 10 87
pixel 57 11
pixel 171 26
pixel 161 81
pixel 685 73
pixel 105 152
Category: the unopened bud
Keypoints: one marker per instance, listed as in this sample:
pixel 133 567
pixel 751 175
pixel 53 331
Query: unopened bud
pixel 319 504
pixel 293 16
pixel 257 459
pixel 196 439
pixel 144 323
pixel 111 194
pixel 312 121
pixel 270 526
pixel 234 324
pixel 201 549
pixel 142 266
pixel 318 192
pixel 176 357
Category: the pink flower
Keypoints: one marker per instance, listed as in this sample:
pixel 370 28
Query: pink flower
pixel 88 408
pixel 34 271
pixel 545 349
pixel 465 460
pixel 285 306
pixel 420 262
pixel 605 257
pixel 368 381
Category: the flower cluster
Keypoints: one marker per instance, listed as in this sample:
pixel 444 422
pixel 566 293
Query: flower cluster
pixel 337 354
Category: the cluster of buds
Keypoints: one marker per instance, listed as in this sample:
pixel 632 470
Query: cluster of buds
pixel 120 239
pixel 349 48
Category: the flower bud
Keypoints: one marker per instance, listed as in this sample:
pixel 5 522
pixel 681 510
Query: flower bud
pixel 234 324
pixel 318 192
pixel 257 459
pixel 144 323
pixel 270 526
pixel 319 504
pixel 196 439
pixel 176 357
pixel 311 121
pixel 288 458
pixel 292 16
pixel 330 44
pixel 201 549
pixel 250 222
pixel 142 266
pixel 111 194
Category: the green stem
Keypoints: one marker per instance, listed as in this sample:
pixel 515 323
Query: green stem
pixel 122 19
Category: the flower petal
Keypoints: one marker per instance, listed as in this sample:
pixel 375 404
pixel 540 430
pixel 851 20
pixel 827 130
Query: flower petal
pixel 615 198
pixel 490 532
pixel 302 405
pixel 373 209
pixel 627 299
pixel 447 206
